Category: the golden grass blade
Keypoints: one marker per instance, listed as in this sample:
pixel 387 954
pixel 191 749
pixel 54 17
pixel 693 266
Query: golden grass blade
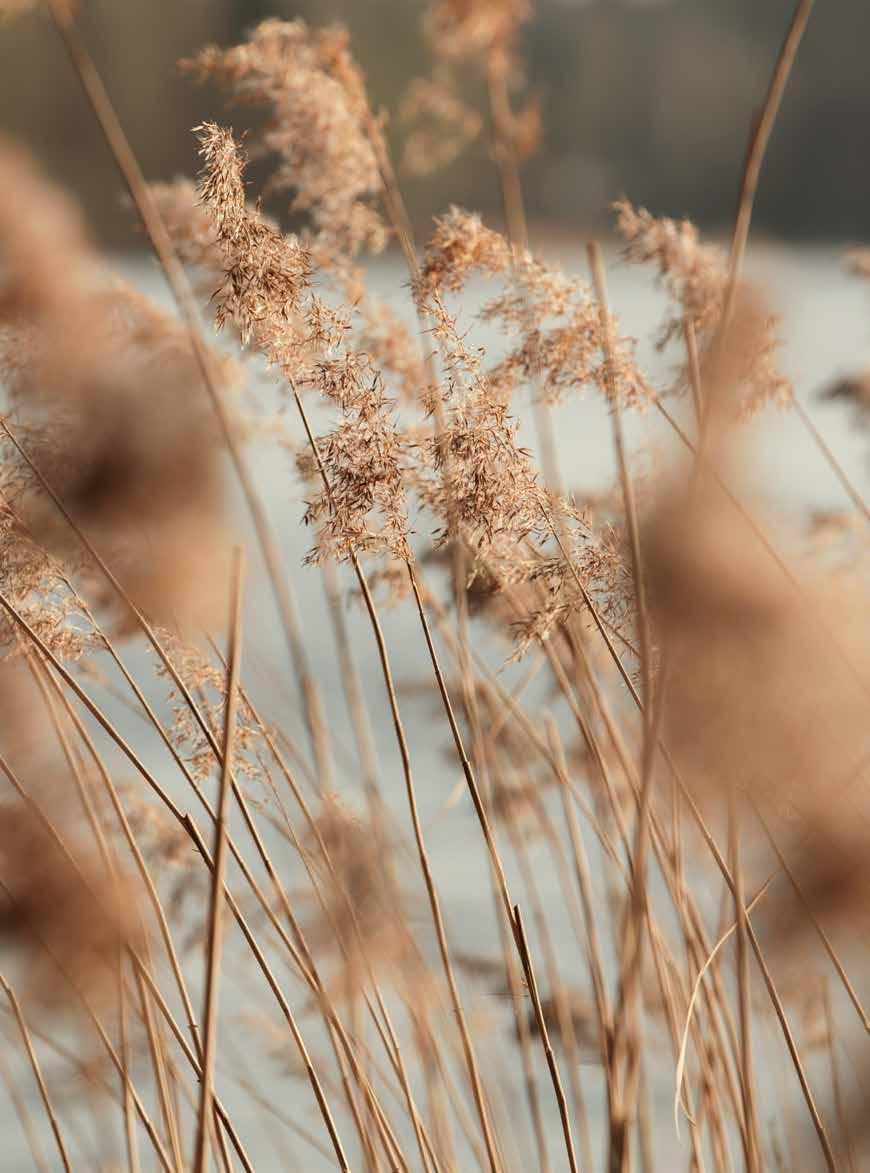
pixel 37 1071
pixel 219 855
pixel 523 945
pixel 756 151
pixel 696 989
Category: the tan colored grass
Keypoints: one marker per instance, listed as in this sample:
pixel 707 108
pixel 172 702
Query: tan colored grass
pixel 690 723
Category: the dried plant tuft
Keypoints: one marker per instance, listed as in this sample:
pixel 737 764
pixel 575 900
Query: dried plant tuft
pixel 70 920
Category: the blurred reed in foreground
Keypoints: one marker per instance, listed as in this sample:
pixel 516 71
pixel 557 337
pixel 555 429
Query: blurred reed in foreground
pixel 665 785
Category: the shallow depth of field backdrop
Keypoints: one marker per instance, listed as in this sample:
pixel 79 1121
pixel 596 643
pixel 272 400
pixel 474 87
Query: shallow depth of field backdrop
pixel 573 506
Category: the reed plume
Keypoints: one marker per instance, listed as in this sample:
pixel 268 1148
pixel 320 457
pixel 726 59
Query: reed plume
pixel 653 693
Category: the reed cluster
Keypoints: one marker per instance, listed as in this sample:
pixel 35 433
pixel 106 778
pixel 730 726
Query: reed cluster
pixel 229 922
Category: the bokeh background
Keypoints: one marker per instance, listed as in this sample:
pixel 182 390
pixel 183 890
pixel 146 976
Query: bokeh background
pixel 654 98
pixel 651 98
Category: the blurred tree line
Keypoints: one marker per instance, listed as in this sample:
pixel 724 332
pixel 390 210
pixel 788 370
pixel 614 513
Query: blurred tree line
pixel 653 98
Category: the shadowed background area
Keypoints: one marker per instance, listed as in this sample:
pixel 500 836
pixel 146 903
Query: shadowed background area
pixel 651 97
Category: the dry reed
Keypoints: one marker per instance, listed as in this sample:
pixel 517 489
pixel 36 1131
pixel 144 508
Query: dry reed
pixel 676 776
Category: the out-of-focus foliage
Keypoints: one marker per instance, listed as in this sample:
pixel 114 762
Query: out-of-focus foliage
pixel 655 98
